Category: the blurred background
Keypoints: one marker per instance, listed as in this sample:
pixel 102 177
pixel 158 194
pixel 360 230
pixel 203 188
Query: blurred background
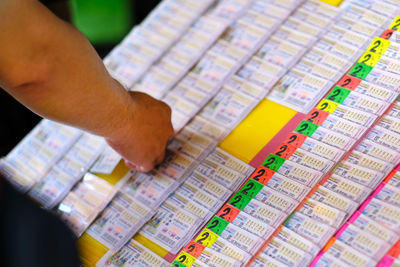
pixel 104 22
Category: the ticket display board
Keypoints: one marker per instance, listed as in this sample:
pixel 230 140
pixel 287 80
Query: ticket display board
pixel 324 188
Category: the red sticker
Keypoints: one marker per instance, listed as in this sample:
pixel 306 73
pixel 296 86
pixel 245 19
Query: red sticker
pixel 349 82
pixel 285 150
pixel 317 116
pixel 228 213
pixel 262 175
pixel 193 248
pixel 295 139
pixel 387 34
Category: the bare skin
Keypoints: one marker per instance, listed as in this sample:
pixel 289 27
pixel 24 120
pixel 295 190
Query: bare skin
pixel 52 69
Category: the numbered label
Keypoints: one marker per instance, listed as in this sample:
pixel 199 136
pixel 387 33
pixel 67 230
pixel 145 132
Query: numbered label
pixel 395 26
pixel 228 213
pixel 176 263
pixel 370 59
pixel 379 45
pixel 239 201
pixel 360 70
pixel 338 94
pixel 251 188
pixel 185 259
pixel 306 128
pixel 295 139
pixel 349 82
pixel 217 225
pixel 273 162
pixel 262 175
pixel 194 249
pixel 317 116
pixel 387 34
pixel 206 238
pixel 285 150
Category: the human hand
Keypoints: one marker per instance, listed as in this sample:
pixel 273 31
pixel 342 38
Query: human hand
pixel 143 138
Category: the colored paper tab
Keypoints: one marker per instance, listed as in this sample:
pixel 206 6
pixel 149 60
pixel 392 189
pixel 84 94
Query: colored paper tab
pixel 387 34
pixel 176 263
pixel 273 162
pixel 217 225
pixel 395 24
pixel 295 139
pixel 379 45
pixel 349 82
pixel 206 238
pixel 306 128
pixel 228 213
pixel 239 201
pixel 338 94
pixel 262 175
pixel 360 70
pixel 194 249
pixel 370 58
pixel 317 116
pixel 285 151
pixel 327 105
pixel 185 259
pixel 251 188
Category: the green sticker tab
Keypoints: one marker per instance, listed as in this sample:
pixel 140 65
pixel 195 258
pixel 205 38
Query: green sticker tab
pixel 176 263
pixel 289 218
pixel 217 225
pixel 306 128
pixel 338 94
pixel 239 201
pixel 251 188
pixel 273 162
pixel 360 70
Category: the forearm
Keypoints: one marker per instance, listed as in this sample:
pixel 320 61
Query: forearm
pixel 52 69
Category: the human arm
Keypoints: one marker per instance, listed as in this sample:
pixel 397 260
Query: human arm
pixel 51 68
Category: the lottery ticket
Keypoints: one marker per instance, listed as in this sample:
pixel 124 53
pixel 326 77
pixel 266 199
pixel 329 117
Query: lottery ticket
pixel 322 150
pixel 265 260
pixel 356 115
pixel 268 23
pixel 253 225
pixel 220 156
pixel 202 126
pixel 192 95
pixel 364 15
pixel 322 212
pixel 349 255
pixel 358 27
pixel 375 91
pixel 213 68
pixel 349 189
pixel 187 149
pixel 287 254
pixel 200 197
pixel 343 126
pixel 315 19
pixel 71 167
pixel 213 258
pixel 312 161
pixel 246 36
pixel 333 138
pixel 383 213
pixel 171 227
pixel 294 239
pixel 200 181
pixel 266 67
pixel 348 37
pixel 365 103
pixel 384 137
pixel 394 111
pixel 328 261
pixel 260 77
pixel 195 138
pixel 303 26
pixel 359 174
pixel 132 254
pixel 266 214
pixel 395 180
pixel 149 188
pixel 368 225
pixel 390 123
pixel 249 88
pixel 189 205
pixel 297 38
pixel 318 70
pixel 228 50
pixel 270 9
pixel 220 173
pixel 288 187
pixel 243 239
pixel 389 194
pixel 383 8
pixel 321 8
pixel 329 197
pixel 312 230
pixel 327 59
pixel 339 49
pixel 387 64
pixel 384 79
pixel 276 200
pixel 300 173
pixel 363 242
pixel 176 165
pixel 223 246
pixel 180 105
pixel 370 162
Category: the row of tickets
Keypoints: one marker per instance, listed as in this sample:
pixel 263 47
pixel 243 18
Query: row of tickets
pixel 35 155
pixel 370 232
pixel 146 43
pixel 339 45
pixel 334 199
pixel 84 202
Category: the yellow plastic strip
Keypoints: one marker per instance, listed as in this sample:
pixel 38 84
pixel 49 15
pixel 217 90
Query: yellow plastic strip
pixel 151 245
pixel 333 2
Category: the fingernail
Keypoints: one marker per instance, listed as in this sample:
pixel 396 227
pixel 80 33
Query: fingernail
pixel 141 169
pixel 130 165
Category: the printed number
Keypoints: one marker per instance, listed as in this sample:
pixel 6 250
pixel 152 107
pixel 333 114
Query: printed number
pixel 246 190
pixel 213 224
pixel 182 258
pixel 377 43
pixel 282 149
pixel 313 116
pixel 324 106
pixel 176 265
pixel 269 162
pixel 358 69
pixel 346 82
pixel 292 139
pixel 335 93
pixel 366 58
pixel 204 236
pixel 303 128
pixel 225 212
pixel 389 34
pixel 259 174
pixel 191 248
pixel 396 25
pixel 237 199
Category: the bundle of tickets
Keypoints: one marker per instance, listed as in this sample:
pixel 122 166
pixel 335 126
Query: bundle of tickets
pixel 34 156
pixel 81 206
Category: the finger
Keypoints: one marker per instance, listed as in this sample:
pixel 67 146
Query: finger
pixel 130 165
pixel 160 158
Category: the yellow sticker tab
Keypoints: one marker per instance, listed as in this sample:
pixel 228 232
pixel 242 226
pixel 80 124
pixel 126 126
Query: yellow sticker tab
pixel 369 58
pixel 395 24
pixel 379 45
pixel 185 258
pixel 327 105
pixel 206 238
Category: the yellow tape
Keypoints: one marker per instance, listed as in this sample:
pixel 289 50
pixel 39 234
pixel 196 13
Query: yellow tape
pixel 91 250
pixel 114 177
pixel 333 2
pixel 160 251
